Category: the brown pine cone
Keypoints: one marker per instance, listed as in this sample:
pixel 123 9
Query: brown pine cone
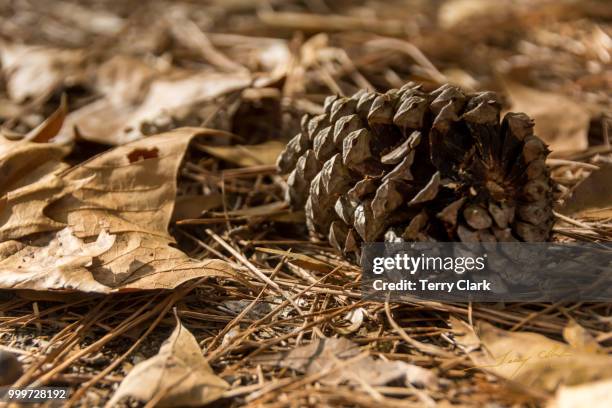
pixel 417 166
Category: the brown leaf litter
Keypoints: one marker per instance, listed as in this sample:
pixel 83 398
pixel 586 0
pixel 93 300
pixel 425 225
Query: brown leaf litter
pixel 101 192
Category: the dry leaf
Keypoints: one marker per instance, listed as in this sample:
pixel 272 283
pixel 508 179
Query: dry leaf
pixel 22 210
pixel 193 205
pixel 125 80
pixel 455 13
pixel 50 127
pixel 245 156
pixel 580 339
pixel 592 198
pixel 274 57
pixel 93 20
pixel 562 123
pixel 132 195
pixel 167 95
pixel 230 335
pixel 178 375
pixel 536 361
pixel 121 116
pixel 20 158
pixel 128 192
pixel 323 355
pixel 35 72
pixel 62 261
pixel 28 170
pixel 355 317
pixel 466 337
pixel 462 78
pixel 592 395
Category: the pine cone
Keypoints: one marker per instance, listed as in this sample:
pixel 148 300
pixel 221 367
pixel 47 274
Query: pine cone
pixel 417 166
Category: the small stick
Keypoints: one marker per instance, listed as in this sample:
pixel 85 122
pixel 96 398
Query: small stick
pixel 571 221
pixel 426 348
pixel 242 259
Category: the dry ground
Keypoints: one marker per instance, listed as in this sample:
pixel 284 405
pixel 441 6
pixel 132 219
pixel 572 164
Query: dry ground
pixel 131 69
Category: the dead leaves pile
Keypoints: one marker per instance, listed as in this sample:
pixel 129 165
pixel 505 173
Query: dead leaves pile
pixel 99 226
pixel 116 96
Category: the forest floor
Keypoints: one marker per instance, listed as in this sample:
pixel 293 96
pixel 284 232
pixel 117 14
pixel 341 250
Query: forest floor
pixel 127 232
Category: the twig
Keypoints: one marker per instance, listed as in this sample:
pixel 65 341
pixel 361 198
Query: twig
pixel 426 348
